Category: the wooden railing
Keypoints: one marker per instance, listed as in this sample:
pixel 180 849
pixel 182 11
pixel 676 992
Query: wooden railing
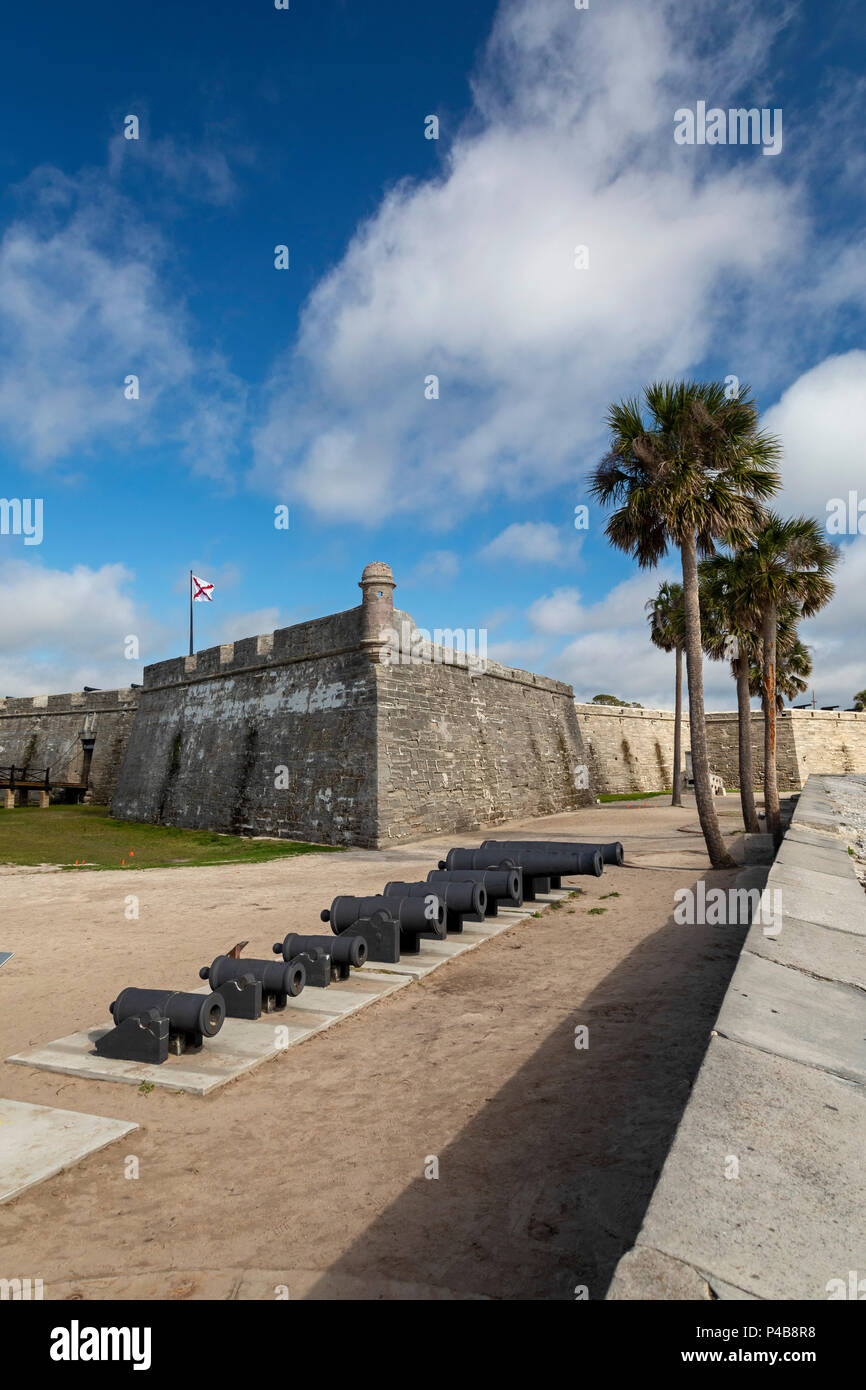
pixel 24 777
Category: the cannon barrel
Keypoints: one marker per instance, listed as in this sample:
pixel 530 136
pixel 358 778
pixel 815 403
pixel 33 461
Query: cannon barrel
pixel 554 860
pixel 345 950
pixel 460 899
pixel 540 871
pixel 536 864
pixel 612 853
pixel 500 885
pixel 276 977
pixel 415 916
pixel 186 1013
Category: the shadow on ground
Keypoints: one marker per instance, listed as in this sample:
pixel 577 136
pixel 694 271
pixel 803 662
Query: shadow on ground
pixel 546 1187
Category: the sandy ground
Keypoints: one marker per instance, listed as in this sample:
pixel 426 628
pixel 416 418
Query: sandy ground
pixel 309 1172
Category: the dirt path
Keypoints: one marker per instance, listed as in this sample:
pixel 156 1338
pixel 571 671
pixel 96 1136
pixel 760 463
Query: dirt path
pixel 309 1172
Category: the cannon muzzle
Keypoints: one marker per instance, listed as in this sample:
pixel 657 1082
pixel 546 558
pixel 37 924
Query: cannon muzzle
pixel 462 899
pixel 344 950
pixel 193 1014
pixel 500 885
pixel 285 979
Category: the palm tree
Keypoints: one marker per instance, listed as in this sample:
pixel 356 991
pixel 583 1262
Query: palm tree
pixel 694 473
pixel 728 635
pixel 786 566
pixel 668 631
pixel 793 666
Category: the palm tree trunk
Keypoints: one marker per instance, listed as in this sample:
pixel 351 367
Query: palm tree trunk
pixel 771 788
pixel 719 857
pixel 677 795
pixel 744 729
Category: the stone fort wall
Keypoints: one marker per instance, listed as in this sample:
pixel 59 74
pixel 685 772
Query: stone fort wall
pixel 54 731
pixel 458 750
pixel 272 735
pixel 631 750
pixel 322 732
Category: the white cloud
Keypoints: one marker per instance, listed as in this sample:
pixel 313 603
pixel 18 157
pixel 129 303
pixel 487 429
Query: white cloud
pixel 470 275
pixel 527 655
pixel 437 568
pixel 836 635
pixel 821 420
pixel 233 627
pixel 202 171
pixel 84 303
pixel 64 629
pixel 533 542
pixel 563 611
pixel 611 650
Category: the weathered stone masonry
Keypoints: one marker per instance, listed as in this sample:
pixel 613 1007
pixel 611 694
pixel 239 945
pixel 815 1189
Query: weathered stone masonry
pixel 323 732
pixel 272 735
pixel 631 750
pixel 458 750
pixel 80 736
pixel 320 732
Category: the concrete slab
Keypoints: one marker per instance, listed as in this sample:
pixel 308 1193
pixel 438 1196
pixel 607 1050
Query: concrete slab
pixel 816 1022
pixel 819 819
pixel 337 1000
pixel 37 1141
pixel 841 888
pixel 836 862
pixel 239 1046
pixel 813 904
pixel 817 839
pixel 817 951
pixel 435 953
pixel 649 1275
pixel 793 1218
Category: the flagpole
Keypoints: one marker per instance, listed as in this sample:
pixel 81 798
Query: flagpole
pixel 190 613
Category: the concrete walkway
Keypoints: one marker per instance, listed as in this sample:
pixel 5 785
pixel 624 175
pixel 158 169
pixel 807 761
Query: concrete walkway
pixel 763 1195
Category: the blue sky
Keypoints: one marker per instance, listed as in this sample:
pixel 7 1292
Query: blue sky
pixel 409 257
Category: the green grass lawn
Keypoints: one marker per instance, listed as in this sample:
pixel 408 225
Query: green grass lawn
pixel 63 834
pixel 630 796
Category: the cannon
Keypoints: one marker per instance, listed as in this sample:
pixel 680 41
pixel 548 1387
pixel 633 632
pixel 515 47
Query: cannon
pixel 236 980
pixel 463 901
pixel 415 916
pixel 538 870
pixel 381 935
pixel 554 861
pixel 150 1023
pixel 325 958
pixel 503 886
pixel 612 853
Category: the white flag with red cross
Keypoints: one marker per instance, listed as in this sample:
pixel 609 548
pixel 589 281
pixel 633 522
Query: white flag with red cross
pixel 202 592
